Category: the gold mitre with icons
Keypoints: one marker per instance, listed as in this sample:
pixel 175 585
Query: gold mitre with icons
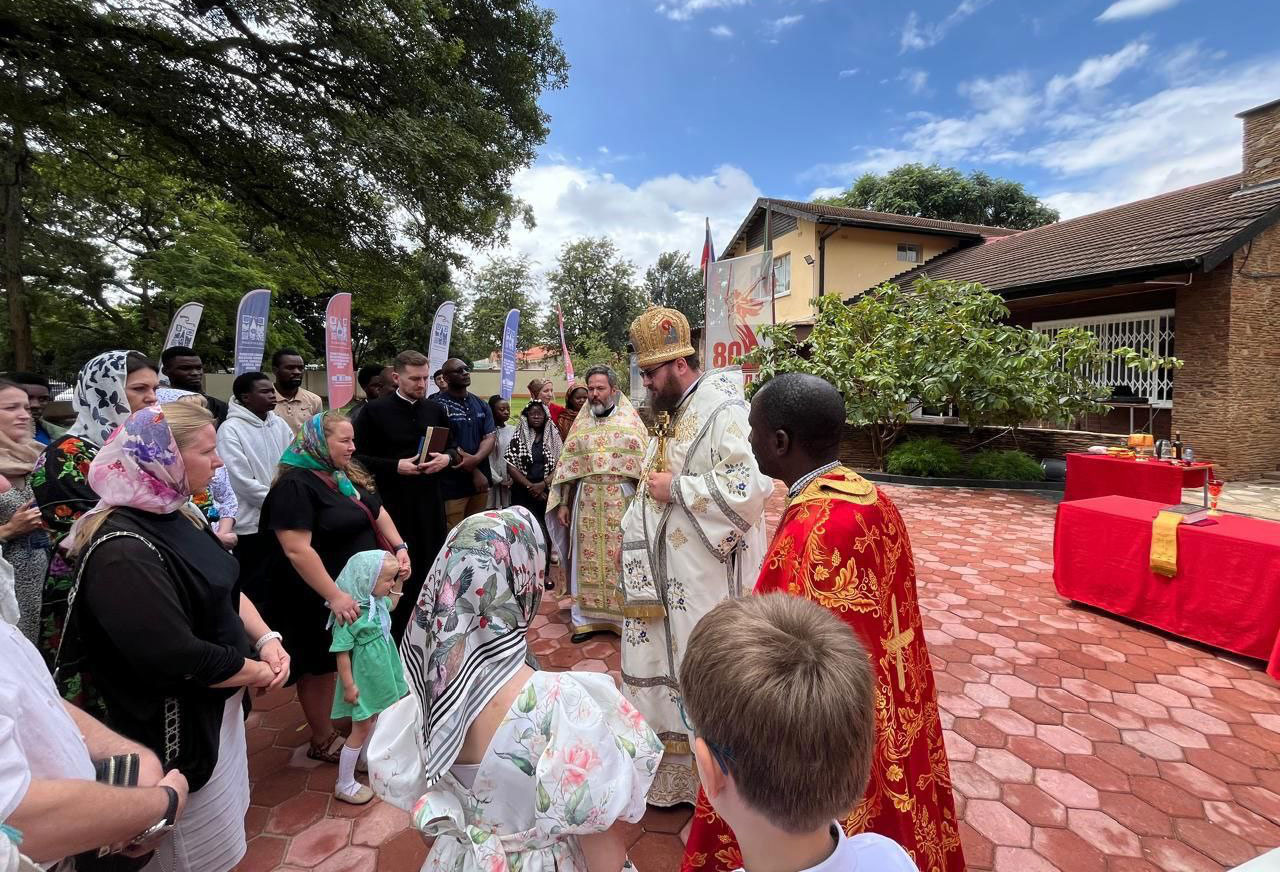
pixel 660 335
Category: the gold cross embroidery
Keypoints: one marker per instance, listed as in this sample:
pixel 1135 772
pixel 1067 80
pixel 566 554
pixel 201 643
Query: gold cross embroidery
pixel 900 639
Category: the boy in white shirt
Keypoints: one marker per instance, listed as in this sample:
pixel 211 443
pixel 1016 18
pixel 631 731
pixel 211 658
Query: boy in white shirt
pixel 780 696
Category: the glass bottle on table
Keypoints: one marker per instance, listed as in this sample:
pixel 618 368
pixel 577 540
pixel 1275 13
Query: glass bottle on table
pixel 1177 447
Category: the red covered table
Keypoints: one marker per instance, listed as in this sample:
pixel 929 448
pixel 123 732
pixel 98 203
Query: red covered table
pixel 1226 592
pixel 1097 475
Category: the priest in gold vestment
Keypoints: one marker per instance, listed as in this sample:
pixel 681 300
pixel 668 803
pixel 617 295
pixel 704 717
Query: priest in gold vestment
pixel 694 534
pixel 594 484
pixel 842 544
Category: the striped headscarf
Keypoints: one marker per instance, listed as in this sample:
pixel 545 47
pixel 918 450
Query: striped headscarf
pixel 467 636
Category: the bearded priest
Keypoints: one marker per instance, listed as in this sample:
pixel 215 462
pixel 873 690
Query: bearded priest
pixel 842 544
pixel 694 534
pixel 595 481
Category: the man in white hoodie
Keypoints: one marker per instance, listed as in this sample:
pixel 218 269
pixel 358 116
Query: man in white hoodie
pixel 251 443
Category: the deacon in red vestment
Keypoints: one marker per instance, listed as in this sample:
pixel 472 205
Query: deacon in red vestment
pixel 842 544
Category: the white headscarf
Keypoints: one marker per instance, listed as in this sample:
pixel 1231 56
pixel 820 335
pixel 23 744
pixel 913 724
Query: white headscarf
pixel 99 397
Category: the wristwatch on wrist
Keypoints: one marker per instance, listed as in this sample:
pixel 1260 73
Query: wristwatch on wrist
pixel 403 546
pixel 165 823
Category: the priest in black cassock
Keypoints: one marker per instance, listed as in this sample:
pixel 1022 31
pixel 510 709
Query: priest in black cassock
pixel 388 433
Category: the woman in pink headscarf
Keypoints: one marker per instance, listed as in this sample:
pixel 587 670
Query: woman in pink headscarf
pixel 156 613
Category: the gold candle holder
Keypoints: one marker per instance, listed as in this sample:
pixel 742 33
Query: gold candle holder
pixel 661 424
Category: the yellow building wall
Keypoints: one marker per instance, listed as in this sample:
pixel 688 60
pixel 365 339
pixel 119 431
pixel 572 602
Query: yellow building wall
pixel 857 259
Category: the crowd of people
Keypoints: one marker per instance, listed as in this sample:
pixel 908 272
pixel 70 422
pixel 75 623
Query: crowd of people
pixel 171 555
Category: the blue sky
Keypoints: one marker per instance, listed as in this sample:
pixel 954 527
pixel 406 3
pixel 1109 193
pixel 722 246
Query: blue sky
pixel 680 109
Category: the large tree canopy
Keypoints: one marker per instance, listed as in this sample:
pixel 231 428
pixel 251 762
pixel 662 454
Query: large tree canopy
pixel 369 125
pixel 946 194
pixel 674 281
pixel 502 284
pixel 595 288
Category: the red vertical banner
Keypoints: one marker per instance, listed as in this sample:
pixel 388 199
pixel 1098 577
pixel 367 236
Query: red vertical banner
pixel 337 346
pixel 564 350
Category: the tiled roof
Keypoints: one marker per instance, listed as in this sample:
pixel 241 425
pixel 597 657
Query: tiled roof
pixel 1191 228
pixel 889 220
pixel 863 218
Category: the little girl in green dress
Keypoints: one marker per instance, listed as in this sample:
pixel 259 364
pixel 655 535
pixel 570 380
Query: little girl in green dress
pixel 370 677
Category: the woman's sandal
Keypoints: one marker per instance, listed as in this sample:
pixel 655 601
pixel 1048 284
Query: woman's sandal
pixel 325 751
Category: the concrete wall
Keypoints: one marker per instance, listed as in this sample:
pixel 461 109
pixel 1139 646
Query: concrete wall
pixel 483 383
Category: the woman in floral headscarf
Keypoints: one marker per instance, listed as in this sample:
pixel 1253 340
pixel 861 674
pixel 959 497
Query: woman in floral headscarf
pixel 519 769
pixel 217 501
pixel 157 615
pixel 108 388
pixel 323 510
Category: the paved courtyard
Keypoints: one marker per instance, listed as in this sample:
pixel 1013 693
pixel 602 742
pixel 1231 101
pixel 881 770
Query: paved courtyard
pixel 1077 742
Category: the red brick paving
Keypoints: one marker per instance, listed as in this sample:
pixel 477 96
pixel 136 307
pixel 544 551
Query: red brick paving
pixel 1077 742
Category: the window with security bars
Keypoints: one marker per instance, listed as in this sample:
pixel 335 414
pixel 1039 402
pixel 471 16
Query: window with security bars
pixel 1150 333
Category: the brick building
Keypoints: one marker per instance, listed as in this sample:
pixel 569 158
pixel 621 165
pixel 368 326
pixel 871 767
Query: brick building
pixel 1194 273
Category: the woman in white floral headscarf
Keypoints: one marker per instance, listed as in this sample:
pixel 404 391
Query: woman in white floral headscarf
pixel 520 769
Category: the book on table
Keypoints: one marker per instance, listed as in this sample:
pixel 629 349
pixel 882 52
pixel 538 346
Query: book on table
pixel 1191 513
pixel 433 441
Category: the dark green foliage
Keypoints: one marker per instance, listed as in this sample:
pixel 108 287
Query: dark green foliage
pixel 1005 466
pixel 928 457
pixel 946 194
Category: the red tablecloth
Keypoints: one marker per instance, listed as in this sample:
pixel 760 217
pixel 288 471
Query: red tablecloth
pixel 1226 592
pixel 1097 475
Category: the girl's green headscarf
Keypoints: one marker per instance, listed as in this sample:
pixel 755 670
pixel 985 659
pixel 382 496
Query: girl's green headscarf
pixel 357 580
pixel 310 450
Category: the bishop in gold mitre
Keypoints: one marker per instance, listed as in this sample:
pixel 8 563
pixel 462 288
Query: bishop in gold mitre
pixel 693 536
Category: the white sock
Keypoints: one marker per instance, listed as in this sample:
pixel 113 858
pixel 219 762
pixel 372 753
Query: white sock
pixel 347 769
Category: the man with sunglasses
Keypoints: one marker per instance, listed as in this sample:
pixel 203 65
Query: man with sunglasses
pixel 692 537
pixel 465 485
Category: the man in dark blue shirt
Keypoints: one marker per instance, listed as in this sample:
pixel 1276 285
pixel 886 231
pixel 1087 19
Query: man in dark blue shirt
pixel 465 486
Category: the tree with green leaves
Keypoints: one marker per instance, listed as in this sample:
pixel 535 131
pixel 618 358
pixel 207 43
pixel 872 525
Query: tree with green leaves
pixel 946 194
pixel 673 281
pixel 592 349
pixel 351 125
pixel 497 287
pixel 595 287
pixel 895 351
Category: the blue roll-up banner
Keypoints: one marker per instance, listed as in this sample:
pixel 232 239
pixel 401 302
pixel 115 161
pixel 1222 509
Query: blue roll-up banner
pixel 509 332
pixel 251 330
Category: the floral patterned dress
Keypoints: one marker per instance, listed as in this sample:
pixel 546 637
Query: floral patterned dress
pixel 61 486
pixel 571 757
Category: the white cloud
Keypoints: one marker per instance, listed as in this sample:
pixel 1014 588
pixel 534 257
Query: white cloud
pixel 777 25
pixel 1098 72
pixel 1094 151
pixel 1122 9
pixel 663 213
pixel 721 31
pixel 683 10
pixel 848 74
pixel 918 35
pixel 917 80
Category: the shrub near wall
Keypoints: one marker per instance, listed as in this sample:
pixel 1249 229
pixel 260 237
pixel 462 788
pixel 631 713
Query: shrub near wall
pixel 934 458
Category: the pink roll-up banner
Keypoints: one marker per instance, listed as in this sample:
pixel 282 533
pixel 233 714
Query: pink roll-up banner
pixel 337 347
pixel 564 350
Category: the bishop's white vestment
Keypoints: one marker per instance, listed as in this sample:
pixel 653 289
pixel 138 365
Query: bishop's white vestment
pixel 681 558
